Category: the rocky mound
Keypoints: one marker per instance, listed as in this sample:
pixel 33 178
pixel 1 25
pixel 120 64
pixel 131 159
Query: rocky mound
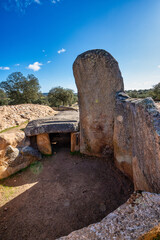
pixel 17 114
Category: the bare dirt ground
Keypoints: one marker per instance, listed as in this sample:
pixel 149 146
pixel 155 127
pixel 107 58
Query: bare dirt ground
pixel 58 195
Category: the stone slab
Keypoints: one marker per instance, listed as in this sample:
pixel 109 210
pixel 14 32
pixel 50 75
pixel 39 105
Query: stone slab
pixel 128 222
pixel 75 142
pixel 63 122
pixel 137 141
pixel 43 144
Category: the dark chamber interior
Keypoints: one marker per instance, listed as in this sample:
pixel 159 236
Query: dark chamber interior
pixel 60 140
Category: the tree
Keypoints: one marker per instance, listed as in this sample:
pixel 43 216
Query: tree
pixel 21 89
pixel 3 98
pixel 60 96
pixel 142 93
pixel 156 91
pixel 31 89
pixel 42 99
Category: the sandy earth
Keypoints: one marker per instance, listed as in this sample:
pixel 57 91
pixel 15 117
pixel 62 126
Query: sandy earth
pixel 60 194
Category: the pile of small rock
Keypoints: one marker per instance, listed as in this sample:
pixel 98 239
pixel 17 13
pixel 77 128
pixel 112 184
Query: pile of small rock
pixel 17 114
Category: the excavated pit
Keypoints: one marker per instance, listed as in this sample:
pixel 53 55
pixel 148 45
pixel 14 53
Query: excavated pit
pixel 65 192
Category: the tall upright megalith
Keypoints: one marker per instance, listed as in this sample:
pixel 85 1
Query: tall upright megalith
pixel 98 78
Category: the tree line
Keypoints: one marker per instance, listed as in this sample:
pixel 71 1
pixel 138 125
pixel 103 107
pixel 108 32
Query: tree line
pixel 153 92
pixel 18 89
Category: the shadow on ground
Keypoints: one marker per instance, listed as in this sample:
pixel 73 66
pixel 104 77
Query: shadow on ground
pixel 71 192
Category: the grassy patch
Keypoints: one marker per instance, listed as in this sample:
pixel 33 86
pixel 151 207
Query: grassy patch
pixel 22 129
pixel 46 155
pixel 6 191
pixel 36 167
pixel 7 129
pixel 76 153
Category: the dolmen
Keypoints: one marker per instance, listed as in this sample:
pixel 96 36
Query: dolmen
pixel 39 131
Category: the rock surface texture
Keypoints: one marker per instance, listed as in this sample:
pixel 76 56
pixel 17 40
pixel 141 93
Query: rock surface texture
pixel 98 78
pixel 137 141
pixel 128 222
pixel 17 159
pixel 75 142
pixel 15 115
pixel 43 144
pixel 63 122
pixel 10 138
pixel 153 234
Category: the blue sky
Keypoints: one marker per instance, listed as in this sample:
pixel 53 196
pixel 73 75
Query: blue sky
pixel 44 37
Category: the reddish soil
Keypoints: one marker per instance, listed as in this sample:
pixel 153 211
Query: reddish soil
pixel 71 192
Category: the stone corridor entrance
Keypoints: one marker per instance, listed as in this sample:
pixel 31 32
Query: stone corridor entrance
pixel 55 132
pixel 60 140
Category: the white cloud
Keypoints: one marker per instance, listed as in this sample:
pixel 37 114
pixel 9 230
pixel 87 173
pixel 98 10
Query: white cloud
pixel 4 68
pixel 61 50
pixel 37 1
pixel 17 65
pixel 49 61
pixel 158 66
pixel 35 66
pixel 55 1
pixel 21 5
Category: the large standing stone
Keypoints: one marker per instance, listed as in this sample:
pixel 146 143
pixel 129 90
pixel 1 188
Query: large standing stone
pixel 123 136
pixel 98 78
pixel 137 142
